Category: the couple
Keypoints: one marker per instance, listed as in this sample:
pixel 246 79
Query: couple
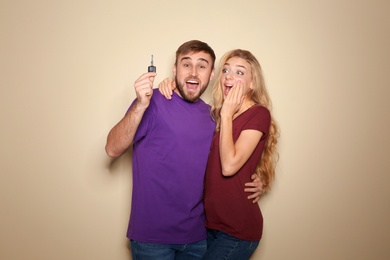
pixel 175 170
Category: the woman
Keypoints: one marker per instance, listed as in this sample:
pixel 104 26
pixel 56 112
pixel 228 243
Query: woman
pixel 244 142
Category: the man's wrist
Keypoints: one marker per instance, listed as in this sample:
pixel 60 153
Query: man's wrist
pixel 140 107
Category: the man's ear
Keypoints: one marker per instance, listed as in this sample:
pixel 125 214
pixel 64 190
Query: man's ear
pixel 174 70
pixel 212 74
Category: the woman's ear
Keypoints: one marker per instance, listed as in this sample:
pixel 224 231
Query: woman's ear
pixel 251 86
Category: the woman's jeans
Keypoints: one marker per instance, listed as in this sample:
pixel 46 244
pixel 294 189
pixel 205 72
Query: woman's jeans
pixel 223 246
pixel 150 251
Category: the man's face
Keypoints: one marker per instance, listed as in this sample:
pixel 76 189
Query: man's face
pixel 193 72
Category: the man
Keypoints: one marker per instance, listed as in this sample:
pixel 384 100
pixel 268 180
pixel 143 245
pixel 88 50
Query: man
pixel 171 142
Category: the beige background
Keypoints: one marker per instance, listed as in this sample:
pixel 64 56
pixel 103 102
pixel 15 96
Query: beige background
pixel 67 73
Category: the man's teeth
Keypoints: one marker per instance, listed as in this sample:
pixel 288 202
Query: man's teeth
pixel 192 82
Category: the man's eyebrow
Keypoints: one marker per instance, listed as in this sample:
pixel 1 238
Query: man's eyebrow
pixel 185 58
pixel 201 59
pixel 189 58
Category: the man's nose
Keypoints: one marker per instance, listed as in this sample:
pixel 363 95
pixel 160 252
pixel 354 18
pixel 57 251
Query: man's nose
pixel 194 71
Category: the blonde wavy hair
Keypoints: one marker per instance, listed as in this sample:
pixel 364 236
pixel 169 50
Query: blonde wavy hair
pixel 266 166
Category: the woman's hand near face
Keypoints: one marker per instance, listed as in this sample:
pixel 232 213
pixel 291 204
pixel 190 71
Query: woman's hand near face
pixel 233 100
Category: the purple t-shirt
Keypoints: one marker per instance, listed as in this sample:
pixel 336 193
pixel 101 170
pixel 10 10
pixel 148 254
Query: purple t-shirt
pixel 170 152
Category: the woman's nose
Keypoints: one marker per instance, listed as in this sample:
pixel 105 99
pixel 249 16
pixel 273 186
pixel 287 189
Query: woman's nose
pixel 228 76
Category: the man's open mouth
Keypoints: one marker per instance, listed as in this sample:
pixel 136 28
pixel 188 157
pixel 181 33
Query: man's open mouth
pixel 192 84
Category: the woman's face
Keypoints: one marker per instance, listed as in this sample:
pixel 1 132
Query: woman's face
pixel 233 70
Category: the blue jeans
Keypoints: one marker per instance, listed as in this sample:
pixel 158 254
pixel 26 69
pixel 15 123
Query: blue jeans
pixel 150 251
pixel 223 246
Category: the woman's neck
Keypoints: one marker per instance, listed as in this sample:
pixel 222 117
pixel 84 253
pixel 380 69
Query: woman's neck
pixel 248 103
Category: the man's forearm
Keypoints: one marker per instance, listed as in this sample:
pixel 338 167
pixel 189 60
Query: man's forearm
pixel 122 134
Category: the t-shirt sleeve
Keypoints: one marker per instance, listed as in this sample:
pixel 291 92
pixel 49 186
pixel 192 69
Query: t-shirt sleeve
pixel 260 119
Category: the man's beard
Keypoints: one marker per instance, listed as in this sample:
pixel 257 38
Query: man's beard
pixel 193 97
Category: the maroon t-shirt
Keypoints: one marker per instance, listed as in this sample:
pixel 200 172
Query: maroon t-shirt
pixel 226 205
